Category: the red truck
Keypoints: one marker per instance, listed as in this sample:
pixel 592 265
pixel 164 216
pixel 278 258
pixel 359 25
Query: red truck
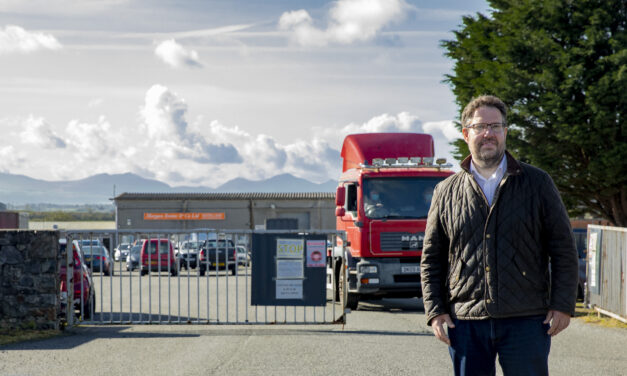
pixel 382 201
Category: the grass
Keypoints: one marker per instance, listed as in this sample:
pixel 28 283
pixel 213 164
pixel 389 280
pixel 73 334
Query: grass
pixel 590 316
pixel 22 335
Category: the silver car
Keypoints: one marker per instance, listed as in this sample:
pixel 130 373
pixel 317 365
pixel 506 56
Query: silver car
pixel 243 258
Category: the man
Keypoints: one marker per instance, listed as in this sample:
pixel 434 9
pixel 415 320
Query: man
pixel 373 206
pixel 492 231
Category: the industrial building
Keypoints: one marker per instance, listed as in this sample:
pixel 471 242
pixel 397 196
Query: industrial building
pixel 237 211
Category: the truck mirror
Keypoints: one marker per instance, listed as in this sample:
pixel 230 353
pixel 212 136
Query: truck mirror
pixel 340 211
pixel 340 196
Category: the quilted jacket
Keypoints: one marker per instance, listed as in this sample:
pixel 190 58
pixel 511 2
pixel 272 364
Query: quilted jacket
pixel 516 257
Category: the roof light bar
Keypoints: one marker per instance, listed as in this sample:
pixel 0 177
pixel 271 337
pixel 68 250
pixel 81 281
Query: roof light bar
pixel 404 162
pixel 378 162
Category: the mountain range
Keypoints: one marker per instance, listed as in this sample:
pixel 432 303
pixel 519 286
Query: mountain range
pixel 97 189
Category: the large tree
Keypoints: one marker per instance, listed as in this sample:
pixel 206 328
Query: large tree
pixel 561 66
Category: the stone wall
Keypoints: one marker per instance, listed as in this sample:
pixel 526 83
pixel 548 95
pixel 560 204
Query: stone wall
pixel 29 279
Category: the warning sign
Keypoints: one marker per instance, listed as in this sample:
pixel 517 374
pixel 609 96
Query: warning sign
pixel 316 253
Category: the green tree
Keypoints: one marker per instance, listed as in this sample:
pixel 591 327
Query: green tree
pixel 561 66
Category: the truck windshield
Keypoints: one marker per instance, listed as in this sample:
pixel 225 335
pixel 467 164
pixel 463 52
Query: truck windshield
pixel 398 198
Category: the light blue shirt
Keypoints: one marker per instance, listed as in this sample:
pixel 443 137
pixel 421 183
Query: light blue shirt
pixel 488 186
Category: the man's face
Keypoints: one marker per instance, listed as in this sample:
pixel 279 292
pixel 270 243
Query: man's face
pixel 486 148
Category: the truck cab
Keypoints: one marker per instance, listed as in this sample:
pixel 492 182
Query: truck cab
pixel 382 202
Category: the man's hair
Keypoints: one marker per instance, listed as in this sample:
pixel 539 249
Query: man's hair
pixel 483 101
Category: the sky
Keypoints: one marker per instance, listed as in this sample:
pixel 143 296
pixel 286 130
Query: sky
pixel 199 92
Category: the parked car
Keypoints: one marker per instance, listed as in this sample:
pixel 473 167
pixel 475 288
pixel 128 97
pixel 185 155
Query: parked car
pixel 217 255
pixel 243 258
pixel 92 241
pixel 157 255
pixel 97 259
pixel 188 254
pixel 132 259
pixel 121 251
pixel 84 295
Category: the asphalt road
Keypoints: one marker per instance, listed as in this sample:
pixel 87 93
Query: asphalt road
pixel 386 337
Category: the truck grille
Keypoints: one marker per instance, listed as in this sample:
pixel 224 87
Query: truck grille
pixel 401 241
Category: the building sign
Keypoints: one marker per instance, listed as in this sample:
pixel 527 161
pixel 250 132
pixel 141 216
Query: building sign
pixel 184 216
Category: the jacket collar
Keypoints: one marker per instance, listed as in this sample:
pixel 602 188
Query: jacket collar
pixel 513 166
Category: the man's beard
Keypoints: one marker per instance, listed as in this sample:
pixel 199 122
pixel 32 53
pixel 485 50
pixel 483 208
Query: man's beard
pixel 492 158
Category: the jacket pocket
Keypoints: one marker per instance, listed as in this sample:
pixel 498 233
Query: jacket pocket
pixel 528 272
pixel 455 273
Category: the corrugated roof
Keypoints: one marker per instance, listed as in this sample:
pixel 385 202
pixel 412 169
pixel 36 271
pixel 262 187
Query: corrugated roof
pixel 227 196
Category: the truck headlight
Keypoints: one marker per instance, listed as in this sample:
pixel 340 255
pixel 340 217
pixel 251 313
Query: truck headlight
pixel 370 269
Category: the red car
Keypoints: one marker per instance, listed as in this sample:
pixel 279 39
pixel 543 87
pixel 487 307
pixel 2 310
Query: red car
pixel 83 285
pixel 157 255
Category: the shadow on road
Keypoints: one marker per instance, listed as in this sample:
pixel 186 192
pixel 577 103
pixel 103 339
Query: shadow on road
pixel 81 335
pixel 392 305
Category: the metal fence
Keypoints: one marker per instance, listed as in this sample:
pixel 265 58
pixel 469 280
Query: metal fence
pixel 606 270
pixel 183 291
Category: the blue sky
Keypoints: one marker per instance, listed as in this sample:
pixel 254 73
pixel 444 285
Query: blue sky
pixel 201 92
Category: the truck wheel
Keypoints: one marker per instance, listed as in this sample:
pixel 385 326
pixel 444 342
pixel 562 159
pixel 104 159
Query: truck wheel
pixel 352 301
pixel 201 272
pixel 336 276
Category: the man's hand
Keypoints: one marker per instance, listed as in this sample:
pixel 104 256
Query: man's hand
pixel 558 320
pixel 438 327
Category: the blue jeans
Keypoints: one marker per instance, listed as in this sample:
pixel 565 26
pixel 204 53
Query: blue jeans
pixel 521 344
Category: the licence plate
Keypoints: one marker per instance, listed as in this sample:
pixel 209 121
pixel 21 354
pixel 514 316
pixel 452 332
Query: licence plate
pixel 219 264
pixel 153 262
pixel 410 269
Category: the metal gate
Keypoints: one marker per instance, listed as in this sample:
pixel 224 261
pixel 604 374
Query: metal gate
pixel 178 281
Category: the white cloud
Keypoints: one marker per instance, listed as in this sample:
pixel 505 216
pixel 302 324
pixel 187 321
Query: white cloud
pixel 163 145
pixel 349 21
pixel 9 159
pixel 164 123
pixel 92 141
pixel 446 128
pixel 403 122
pixel 65 7
pixel 39 133
pixel 15 39
pixel 96 102
pixel 176 56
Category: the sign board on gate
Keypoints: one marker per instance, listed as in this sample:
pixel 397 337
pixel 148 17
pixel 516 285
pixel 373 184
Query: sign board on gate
pixel 286 270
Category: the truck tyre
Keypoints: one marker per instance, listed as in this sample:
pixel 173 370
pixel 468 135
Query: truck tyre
pixel 352 301
pixel 336 276
pixel 201 271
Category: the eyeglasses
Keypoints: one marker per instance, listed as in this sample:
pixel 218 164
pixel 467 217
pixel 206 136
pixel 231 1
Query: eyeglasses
pixel 480 128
